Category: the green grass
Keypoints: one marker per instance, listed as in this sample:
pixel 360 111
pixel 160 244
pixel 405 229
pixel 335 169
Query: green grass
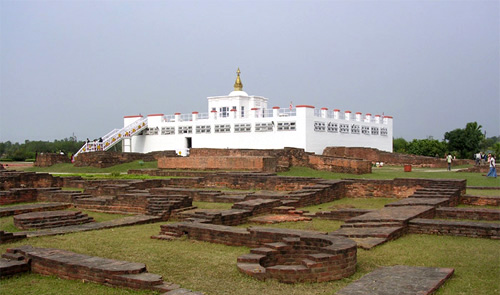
pixel 211 268
pixel 483 192
pixel 69 168
pixel 473 179
pixel 361 203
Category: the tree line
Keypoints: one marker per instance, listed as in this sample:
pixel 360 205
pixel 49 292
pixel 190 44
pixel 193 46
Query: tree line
pixel 28 149
pixel 462 143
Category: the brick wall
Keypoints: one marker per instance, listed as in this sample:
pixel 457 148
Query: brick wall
pixel 340 165
pixel 253 163
pixel 49 159
pixel 455 228
pixel 468 213
pixel 375 155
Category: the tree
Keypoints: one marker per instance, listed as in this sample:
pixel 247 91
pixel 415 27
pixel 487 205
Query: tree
pixel 427 147
pixel 400 145
pixel 465 142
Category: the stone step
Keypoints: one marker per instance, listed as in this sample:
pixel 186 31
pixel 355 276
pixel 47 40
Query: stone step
pixel 140 280
pixel 280 246
pixel 13 256
pixel 166 287
pixel 436 202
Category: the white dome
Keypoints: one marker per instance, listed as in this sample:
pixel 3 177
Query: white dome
pixel 238 93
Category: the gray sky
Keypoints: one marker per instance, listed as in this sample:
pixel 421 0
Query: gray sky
pixel 80 66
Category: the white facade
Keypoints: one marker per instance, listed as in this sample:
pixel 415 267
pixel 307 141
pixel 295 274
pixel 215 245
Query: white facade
pixel 242 121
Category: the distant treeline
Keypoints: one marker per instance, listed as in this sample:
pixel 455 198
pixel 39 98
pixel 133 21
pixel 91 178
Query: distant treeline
pixel 28 149
pixel 462 143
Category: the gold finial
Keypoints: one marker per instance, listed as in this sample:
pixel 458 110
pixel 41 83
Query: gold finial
pixel 238 86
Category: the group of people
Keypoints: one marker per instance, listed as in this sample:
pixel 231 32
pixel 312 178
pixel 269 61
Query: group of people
pixel 490 159
pixel 480 158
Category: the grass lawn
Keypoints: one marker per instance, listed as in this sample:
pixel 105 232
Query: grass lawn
pixel 212 267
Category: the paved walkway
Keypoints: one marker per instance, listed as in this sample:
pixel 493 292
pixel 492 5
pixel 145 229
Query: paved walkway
pixel 399 280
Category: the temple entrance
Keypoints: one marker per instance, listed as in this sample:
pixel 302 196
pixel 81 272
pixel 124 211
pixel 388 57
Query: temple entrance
pixel 189 142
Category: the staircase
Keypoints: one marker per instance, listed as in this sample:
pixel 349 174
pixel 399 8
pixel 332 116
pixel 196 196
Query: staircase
pixel 114 137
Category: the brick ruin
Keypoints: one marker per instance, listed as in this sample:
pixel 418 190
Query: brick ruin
pixel 375 155
pixel 49 159
pixel 109 158
pixel 263 161
pixel 286 255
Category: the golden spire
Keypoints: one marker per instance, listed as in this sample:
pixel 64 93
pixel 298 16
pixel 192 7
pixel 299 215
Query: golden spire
pixel 237 85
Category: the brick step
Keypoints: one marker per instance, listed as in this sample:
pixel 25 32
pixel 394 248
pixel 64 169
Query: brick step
pixel 13 256
pixel 253 269
pixel 59 223
pixel 369 242
pixel 166 287
pixel 373 232
pixel 6 237
pixel 263 251
pixel 431 196
pixel 370 224
pixel 280 246
pixel 11 267
pixel 250 258
pixel 436 202
pixel 143 280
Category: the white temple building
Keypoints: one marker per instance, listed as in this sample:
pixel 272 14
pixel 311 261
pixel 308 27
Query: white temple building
pixel 242 121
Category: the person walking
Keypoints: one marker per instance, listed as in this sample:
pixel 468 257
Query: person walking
pixel 493 169
pixel 449 159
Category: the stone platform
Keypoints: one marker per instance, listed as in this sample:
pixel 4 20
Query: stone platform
pixel 399 280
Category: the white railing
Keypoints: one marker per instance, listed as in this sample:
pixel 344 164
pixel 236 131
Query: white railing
pixel 113 137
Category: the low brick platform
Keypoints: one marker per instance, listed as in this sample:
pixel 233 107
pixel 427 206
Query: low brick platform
pixel 50 219
pixel 339 214
pixel 70 265
pixel 11 267
pixel 399 280
pixel 400 214
pixel 20 209
pixel 6 237
pixel 308 258
pixel 480 200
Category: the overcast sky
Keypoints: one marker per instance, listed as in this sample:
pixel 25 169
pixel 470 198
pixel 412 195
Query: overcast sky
pixel 80 66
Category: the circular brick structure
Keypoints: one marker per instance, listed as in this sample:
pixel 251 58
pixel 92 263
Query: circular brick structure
pixel 50 219
pixel 308 258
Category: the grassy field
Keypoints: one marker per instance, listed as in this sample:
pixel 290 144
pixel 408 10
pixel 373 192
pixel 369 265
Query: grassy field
pixel 211 268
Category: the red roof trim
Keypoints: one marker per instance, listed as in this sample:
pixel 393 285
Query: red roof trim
pixel 389 117
pixel 254 109
pixel 195 113
pixel 368 114
pixel 136 116
pixel 276 108
pixel 153 115
pixel 177 114
pixel 305 106
pixel 213 111
pixel 336 110
pixel 347 112
pixel 358 113
pixel 324 109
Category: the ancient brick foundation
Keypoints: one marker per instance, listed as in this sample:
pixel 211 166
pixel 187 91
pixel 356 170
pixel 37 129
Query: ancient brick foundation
pixel 375 155
pixel 264 161
pixel 49 159
pixel 468 213
pixel 50 219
